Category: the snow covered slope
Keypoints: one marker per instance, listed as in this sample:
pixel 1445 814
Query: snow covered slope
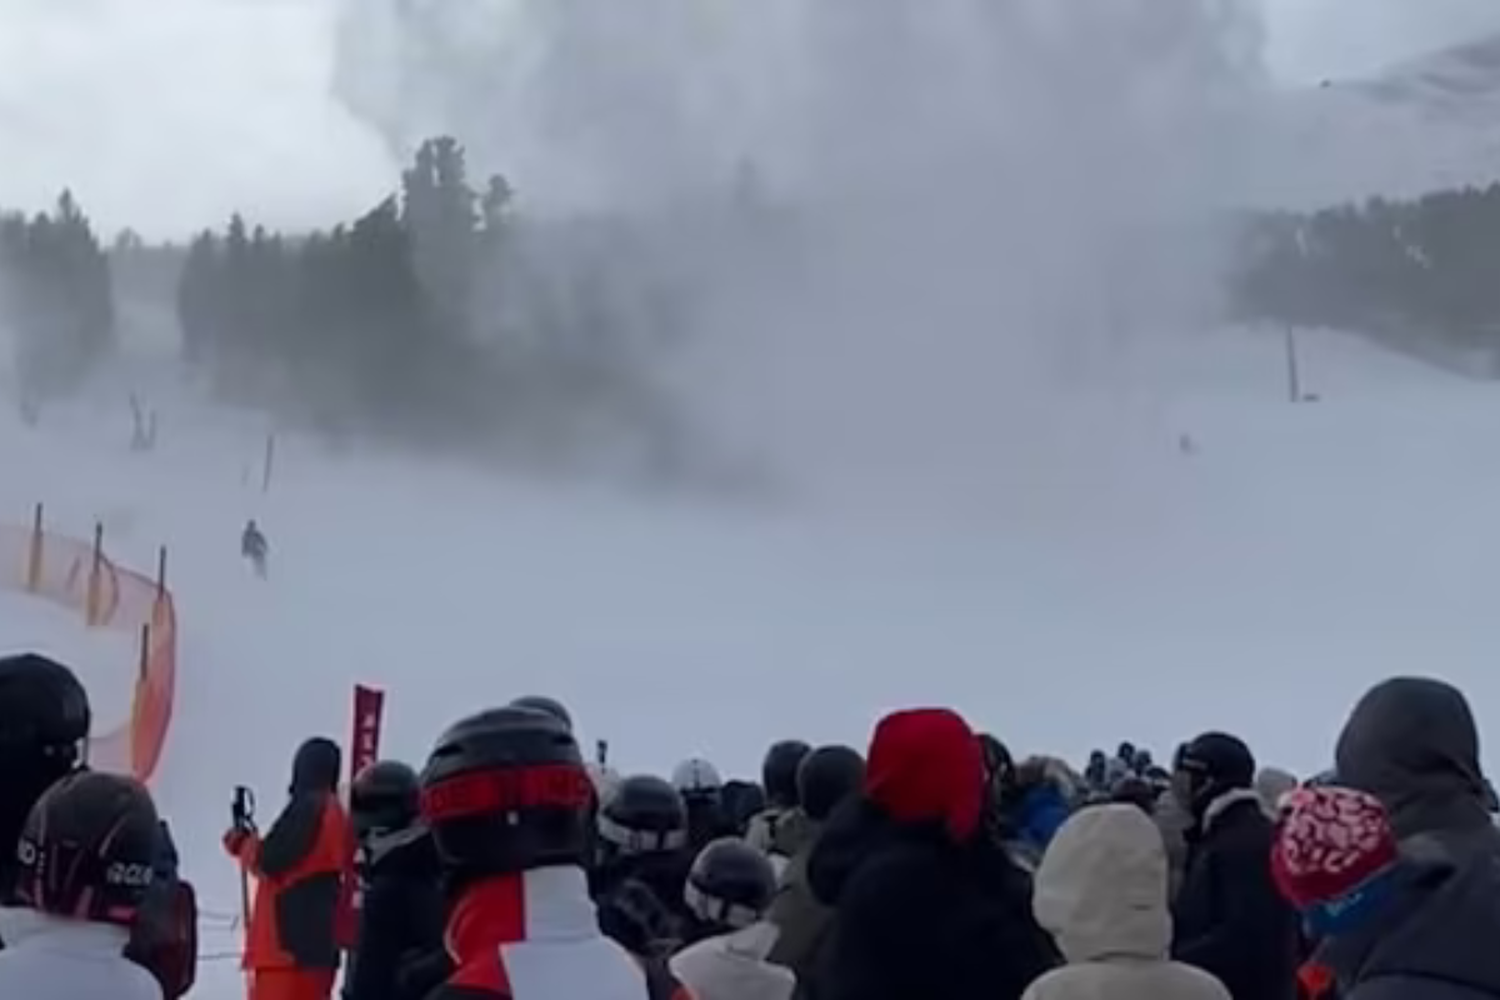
pixel 1421 126
pixel 1129 584
pixel 104 660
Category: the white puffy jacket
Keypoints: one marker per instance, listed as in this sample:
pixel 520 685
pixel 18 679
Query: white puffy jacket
pixel 51 958
pixel 734 967
pixel 1101 892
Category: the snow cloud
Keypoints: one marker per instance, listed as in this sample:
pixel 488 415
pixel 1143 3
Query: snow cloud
pixel 172 113
pixel 963 206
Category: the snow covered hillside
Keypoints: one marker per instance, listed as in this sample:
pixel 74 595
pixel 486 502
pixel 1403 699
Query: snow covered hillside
pixel 1423 125
pixel 1256 575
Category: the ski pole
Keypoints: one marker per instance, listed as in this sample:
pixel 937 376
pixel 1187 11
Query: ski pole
pixel 242 812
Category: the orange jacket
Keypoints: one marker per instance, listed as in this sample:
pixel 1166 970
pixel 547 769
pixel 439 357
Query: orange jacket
pixel 303 868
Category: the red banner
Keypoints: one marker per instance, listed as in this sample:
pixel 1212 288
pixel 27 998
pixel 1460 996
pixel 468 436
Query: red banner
pixel 369 703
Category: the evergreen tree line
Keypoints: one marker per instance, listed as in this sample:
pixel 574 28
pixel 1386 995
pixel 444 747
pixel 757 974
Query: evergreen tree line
pixel 1420 272
pixel 422 321
pixel 364 327
pixel 56 302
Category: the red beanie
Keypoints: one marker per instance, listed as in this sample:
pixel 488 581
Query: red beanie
pixel 925 765
pixel 1329 842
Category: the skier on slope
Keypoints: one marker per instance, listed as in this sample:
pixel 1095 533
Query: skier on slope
pixel 86 862
pixel 44 723
pixel 254 547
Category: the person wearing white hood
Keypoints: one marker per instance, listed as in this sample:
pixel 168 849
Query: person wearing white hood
pixel 1101 892
pixel 87 860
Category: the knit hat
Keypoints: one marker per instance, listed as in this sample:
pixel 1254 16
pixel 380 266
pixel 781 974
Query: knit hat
pixel 1330 843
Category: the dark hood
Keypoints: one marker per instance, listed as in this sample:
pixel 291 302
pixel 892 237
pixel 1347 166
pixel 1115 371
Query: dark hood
pixel 1426 930
pixel 316 767
pixel 403 854
pixel 856 830
pixel 1412 743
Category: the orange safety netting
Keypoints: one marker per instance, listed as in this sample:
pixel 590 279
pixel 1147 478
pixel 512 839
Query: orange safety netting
pixel 74 575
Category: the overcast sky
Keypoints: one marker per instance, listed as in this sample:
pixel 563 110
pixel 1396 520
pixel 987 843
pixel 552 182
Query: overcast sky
pixel 173 112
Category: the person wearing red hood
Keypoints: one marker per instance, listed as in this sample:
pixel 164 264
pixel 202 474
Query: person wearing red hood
pixel 924 906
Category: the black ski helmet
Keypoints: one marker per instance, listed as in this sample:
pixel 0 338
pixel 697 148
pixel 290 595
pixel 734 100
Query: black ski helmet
pixel 44 721
pixel 644 815
pixel 44 711
pixel 89 849
pixel 386 795
pixel 506 791
pixel 779 772
pixel 742 802
pixel 828 776
pixel 1210 766
pixel 731 884
pixel 546 705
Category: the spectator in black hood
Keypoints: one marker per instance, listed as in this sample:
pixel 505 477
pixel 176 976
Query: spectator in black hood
pixel 924 907
pixel 1228 918
pixel 1413 744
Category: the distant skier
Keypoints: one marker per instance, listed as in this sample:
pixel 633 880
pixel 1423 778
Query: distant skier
pixel 254 547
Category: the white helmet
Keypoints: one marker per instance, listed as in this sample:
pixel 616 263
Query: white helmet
pixel 696 776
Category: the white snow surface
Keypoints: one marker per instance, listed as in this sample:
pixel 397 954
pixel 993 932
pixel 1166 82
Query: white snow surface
pixel 1118 589
pixel 104 659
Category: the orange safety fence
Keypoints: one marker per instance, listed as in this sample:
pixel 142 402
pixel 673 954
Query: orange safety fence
pixel 76 575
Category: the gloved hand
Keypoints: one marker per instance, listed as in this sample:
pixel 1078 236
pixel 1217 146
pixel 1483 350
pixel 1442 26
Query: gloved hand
pixel 235 839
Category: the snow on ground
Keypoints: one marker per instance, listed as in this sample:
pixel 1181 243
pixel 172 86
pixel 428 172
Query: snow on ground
pixel 1124 589
pixel 104 659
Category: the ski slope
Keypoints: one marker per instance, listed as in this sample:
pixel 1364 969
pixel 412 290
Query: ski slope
pixel 1119 589
pixel 106 661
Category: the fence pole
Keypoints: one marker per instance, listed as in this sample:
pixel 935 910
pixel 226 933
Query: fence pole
pixel 270 464
pixel 1293 366
pixel 96 578
pixel 161 572
pixel 34 553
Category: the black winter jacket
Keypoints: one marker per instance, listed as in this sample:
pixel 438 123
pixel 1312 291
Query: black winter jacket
pixel 1434 939
pixel 1228 918
pixel 644 926
pixel 918 917
pixel 398 951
